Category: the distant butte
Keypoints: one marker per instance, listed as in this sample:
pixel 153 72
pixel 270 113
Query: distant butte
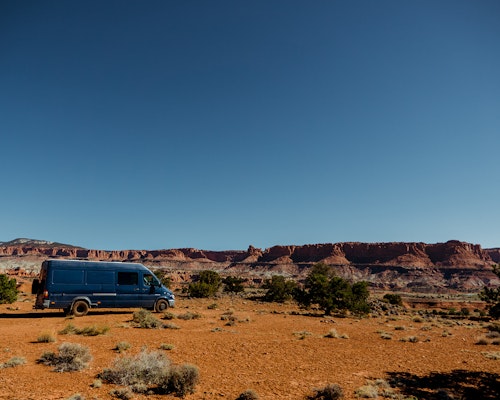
pixel 453 266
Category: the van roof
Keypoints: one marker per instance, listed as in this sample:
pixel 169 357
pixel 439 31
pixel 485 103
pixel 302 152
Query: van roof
pixel 104 263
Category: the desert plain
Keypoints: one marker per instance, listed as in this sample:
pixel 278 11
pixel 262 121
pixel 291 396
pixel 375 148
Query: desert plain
pixel 277 350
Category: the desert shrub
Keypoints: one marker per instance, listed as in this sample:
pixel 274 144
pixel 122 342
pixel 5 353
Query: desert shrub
pixel 148 370
pixel 495 327
pixel 122 393
pixel 145 319
pixel 482 341
pixel 46 337
pixel 492 355
pixel 171 325
pixel 76 396
pixel 329 392
pixel 279 289
pixel 93 330
pixel 182 379
pixel 96 384
pixel 168 315
pixel 385 335
pixel 492 296
pixel 13 362
pixel 332 334
pixel 189 315
pixel 393 298
pixel 331 292
pixel 367 392
pixel 233 284
pixel 8 290
pixel 207 285
pixel 302 334
pixel 71 357
pixel 69 329
pixel 248 394
pixel 122 346
pixel 411 339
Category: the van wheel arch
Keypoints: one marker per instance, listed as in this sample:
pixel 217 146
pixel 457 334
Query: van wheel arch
pixel 80 308
pixel 161 305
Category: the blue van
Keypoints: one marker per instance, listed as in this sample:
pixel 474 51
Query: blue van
pixel 76 285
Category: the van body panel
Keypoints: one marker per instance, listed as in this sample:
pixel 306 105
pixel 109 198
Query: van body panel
pixel 100 284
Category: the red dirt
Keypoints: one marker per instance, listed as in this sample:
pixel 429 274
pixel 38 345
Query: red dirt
pixel 263 351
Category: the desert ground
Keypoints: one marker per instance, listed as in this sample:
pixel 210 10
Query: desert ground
pixel 277 350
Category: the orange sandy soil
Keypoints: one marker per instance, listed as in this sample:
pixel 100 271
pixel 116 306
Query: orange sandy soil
pixel 264 351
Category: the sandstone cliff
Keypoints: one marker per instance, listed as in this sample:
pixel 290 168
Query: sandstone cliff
pixel 442 267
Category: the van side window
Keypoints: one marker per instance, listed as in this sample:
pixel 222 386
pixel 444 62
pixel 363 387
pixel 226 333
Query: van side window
pixel 68 276
pixel 128 278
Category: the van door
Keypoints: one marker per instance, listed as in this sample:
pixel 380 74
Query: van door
pixel 149 290
pixel 128 289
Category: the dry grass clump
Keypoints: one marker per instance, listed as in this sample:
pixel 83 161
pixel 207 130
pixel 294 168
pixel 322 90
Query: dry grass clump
pixel 333 334
pixel 71 357
pixel 46 337
pixel 13 362
pixel 385 335
pixel 93 330
pixel 411 339
pixel 367 392
pixel 302 334
pixel 145 319
pixel 248 394
pixel 122 346
pixel 189 315
pixel 329 392
pixel 171 325
pixel 76 396
pixel 492 355
pixel 152 371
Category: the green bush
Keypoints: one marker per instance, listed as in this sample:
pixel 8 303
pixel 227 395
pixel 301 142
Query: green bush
pixel 233 284
pixel 279 289
pixel 330 292
pixel 492 297
pixel 394 299
pixel 207 285
pixel 71 357
pixel 8 290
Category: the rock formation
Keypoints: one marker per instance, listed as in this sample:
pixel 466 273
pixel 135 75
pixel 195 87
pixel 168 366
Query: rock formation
pixel 442 267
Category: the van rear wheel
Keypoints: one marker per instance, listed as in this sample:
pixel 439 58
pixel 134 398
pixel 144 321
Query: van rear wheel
pixel 80 308
pixel 161 305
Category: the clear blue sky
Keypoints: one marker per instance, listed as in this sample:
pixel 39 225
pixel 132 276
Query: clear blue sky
pixel 220 124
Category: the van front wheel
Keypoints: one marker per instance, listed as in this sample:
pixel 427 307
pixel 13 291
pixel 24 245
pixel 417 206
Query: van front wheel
pixel 80 308
pixel 161 305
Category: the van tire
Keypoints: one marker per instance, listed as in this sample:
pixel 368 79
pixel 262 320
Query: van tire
pixel 161 305
pixel 80 308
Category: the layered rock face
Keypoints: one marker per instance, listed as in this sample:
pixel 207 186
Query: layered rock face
pixel 442 267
